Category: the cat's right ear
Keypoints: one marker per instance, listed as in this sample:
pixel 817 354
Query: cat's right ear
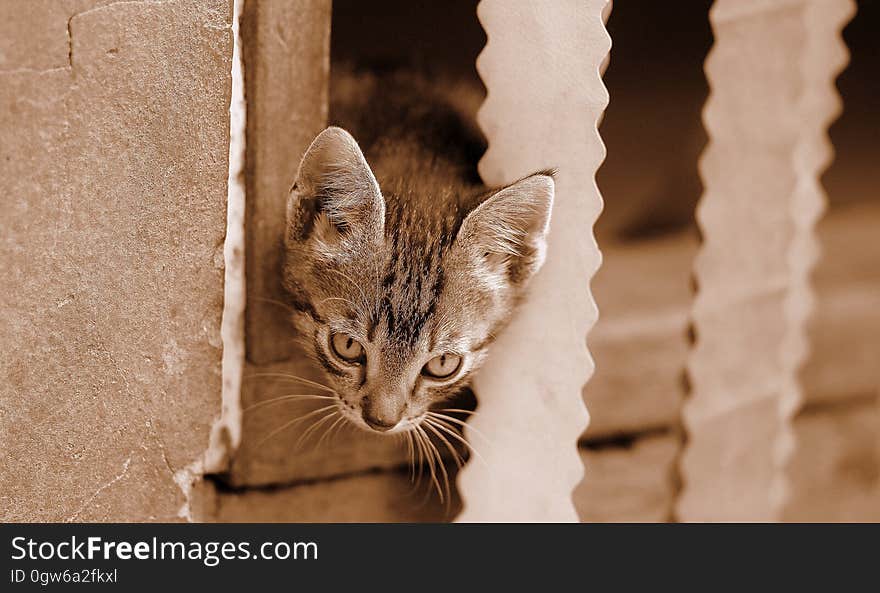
pixel 335 193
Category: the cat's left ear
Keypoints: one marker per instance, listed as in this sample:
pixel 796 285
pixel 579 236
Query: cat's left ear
pixel 335 191
pixel 510 227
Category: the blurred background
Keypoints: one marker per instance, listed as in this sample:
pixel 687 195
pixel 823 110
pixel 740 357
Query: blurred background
pixel 657 88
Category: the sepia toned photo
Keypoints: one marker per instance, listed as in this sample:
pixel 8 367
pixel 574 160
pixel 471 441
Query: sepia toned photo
pixel 406 261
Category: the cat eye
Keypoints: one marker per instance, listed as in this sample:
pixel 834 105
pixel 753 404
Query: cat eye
pixel 443 366
pixel 347 348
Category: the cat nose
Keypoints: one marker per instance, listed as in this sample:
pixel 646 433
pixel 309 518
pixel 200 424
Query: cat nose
pixel 381 414
pixel 377 424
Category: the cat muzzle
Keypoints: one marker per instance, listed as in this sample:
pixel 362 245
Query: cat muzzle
pixel 382 414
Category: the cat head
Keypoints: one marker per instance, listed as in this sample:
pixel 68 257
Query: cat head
pixel 398 299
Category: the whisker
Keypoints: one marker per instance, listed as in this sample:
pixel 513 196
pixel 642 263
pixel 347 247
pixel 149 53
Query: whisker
pixel 455 455
pixel 448 430
pixel 275 302
pixel 418 466
pixel 329 431
pixel 412 455
pixel 430 456
pixel 459 410
pixel 441 466
pixel 423 458
pixel 288 397
pixel 460 423
pixel 445 423
pixel 294 421
pixel 314 427
pixel 292 378
pixel 343 426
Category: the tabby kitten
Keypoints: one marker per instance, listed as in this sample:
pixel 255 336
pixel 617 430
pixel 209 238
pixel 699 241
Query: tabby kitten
pixel 402 274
